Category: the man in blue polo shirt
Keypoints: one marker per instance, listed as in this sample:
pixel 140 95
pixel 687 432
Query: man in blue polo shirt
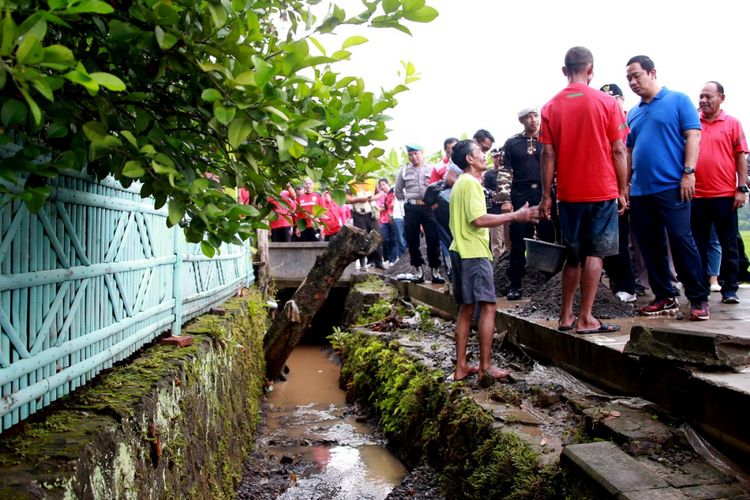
pixel 662 153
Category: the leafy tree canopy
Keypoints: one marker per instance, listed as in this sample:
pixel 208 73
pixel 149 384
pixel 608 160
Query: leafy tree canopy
pixel 188 97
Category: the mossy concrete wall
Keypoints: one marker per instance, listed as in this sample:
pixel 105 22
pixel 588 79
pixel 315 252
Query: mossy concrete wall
pixel 172 423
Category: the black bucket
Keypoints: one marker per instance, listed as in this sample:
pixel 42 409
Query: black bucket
pixel 547 257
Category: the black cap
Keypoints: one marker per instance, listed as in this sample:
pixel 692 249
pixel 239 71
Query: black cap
pixel 612 89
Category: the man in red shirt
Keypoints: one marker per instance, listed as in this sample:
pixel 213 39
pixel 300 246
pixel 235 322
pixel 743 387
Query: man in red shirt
pixel 283 215
pixel 720 186
pixel 582 132
pixel 309 206
pixel 439 171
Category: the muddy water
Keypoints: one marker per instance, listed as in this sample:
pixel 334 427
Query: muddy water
pixel 308 422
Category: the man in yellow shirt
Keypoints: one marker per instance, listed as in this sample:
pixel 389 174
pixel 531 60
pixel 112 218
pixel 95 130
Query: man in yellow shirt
pixel 363 196
pixel 472 259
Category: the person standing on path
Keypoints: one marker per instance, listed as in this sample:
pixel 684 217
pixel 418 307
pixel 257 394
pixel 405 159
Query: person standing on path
pixel 473 280
pixel 582 131
pixel 411 182
pixel 663 145
pixel 720 187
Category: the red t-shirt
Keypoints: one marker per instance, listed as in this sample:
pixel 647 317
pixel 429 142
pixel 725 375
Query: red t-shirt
pixel 581 123
pixel 716 170
pixel 439 172
pixel 306 203
pixel 283 210
pixel 331 220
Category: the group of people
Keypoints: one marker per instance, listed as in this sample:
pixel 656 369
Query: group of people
pixel 306 215
pixel 669 172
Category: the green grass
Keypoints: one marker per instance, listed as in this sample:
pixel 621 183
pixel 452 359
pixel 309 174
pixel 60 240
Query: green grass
pixel 746 239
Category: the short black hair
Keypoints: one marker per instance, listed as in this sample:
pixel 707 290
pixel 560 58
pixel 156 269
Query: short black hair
pixel 646 63
pixel 719 86
pixel 482 134
pixel 449 140
pixel 461 150
pixel 383 179
pixel 577 59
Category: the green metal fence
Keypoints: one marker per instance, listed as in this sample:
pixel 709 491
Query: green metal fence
pixel 88 280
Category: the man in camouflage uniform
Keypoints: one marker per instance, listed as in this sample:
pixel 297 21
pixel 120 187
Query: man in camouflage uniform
pixel 497 180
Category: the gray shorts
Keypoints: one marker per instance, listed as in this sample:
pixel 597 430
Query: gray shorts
pixel 473 280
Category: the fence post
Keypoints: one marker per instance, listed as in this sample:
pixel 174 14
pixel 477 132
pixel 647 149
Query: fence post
pixel 177 282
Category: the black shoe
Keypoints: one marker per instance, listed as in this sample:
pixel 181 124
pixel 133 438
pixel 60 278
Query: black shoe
pixel 418 276
pixel 379 265
pixel 514 294
pixel 436 278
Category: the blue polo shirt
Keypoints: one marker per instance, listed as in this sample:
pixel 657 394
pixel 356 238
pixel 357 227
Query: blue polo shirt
pixel 657 142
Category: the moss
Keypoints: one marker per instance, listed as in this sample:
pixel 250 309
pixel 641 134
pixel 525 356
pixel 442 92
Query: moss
pixel 375 284
pixel 426 419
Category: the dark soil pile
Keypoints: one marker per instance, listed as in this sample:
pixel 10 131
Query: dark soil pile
pixel 545 303
pixel 531 282
pixel 403 264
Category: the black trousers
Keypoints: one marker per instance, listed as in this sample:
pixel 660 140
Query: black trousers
pixel 618 267
pixel 545 230
pixel 367 223
pixel 281 234
pixel 721 213
pixel 416 217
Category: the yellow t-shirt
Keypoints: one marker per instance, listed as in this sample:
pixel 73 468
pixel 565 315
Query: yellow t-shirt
pixel 467 204
pixel 364 188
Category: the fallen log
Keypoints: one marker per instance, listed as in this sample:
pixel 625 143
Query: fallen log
pixel 287 329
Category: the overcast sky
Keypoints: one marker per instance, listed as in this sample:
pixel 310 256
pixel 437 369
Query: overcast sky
pixel 481 61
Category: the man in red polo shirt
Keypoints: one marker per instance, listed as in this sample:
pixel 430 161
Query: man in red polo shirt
pixel 720 186
pixel 582 131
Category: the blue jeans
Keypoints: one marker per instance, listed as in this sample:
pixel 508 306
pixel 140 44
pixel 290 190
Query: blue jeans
pixel 713 252
pixel 398 243
pixel 651 216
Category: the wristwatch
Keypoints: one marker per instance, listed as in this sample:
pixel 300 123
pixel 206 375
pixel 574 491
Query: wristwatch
pixel 688 170
pixel 742 189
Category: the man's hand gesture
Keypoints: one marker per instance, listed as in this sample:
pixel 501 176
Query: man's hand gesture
pixel 527 214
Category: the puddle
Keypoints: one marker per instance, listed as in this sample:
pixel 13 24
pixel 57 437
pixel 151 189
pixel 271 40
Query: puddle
pixel 307 422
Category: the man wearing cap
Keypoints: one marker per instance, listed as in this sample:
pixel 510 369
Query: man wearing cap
pixel 582 131
pixel 663 145
pixel 411 182
pixel 720 186
pixel 522 157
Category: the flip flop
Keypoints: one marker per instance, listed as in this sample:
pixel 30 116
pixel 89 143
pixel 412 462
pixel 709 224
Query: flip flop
pixel 567 328
pixel 603 328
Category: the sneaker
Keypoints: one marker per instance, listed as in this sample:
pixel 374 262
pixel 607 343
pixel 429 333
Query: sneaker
pixel 698 311
pixel 730 298
pixel 418 276
pixel 660 306
pixel 436 278
pixel 625 296
pixel 514 294
pixel 715 287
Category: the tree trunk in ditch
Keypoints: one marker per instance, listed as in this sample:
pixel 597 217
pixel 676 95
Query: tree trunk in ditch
pixel 290 324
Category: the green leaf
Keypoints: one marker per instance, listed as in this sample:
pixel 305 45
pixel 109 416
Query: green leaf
pixel 94 130
pixel 277 112
pixel 3 76
pixel 108 81
pixel 13 112
pixel 254 33
pixel 412 5
pixel 43 88
pixel 8 35
pixel 30 50
pixel 211 95
pixel 353 40
pixel 57 130
pixel 82 78
pixel 224 114
pixel 318 45
pixel 423 15
pixel 165 39
pixel 218 14
pixel 341 54
pixel 263 71
pixel 176 211
pixel 128 135
pixel 391 5
pixel 239 130
pixel 133 169
pixel 246 78
pixel 162 169
pixel 89 7
pixel 33 106
pixel 207 249
pixel 58 57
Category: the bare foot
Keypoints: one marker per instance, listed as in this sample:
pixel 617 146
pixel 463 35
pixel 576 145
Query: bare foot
pixel 491 375
pixel 461 374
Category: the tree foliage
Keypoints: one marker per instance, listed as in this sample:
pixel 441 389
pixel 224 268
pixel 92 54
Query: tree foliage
pixel 188 98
